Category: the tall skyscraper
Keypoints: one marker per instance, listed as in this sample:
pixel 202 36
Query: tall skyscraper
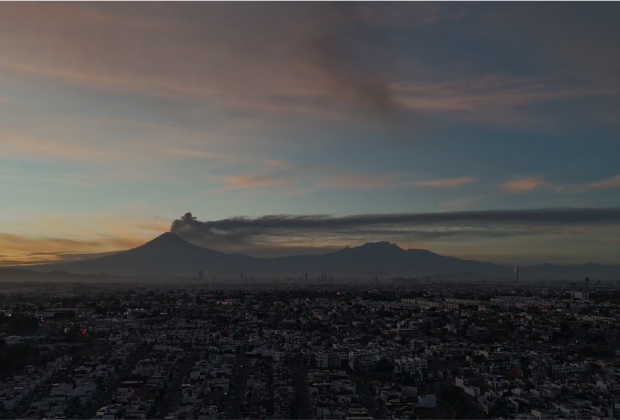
pixel 516 274
pixel 587 282
pixel 200 275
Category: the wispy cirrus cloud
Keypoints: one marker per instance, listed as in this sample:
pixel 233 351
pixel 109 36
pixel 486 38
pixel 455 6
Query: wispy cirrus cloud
pixel 20 146
pixel 37 258
pixel 257 181
pixel 445 183
pixel 18 249
pixel 524 185
pixel 201 154
pixel 358 182
pixel 67 236
pixel 531 184
pixel 165 54
pixel 613 182
pixel 338 181
pixel 286 173
pixel 67 179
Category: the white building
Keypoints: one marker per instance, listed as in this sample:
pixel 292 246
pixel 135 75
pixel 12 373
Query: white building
pixel 409 365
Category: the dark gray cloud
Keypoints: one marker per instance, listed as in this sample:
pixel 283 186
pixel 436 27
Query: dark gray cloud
pixel 64 255
pixel 283 229
pixel 255 56
pixel 340 42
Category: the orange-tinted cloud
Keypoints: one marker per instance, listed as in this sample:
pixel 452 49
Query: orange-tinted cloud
pixel 613 182
pixel 17 145
pixel 610 183
pixel 55 238
pixel 180 52
pixel 445 183
pixel 285 173
pixel 21 249
pixel 523 185
pixel 354 182
pixel 199 154
pixel 258 181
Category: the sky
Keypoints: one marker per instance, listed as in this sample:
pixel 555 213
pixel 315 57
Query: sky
pixel 116 119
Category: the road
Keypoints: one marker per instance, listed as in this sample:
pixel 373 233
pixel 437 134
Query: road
pixel 236 394
pixel 300 382
pixel 90 411
pixel 368 400
pixel 174 390
pixel 445 411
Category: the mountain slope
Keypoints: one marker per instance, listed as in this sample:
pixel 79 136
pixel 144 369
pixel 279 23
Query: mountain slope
pixel 170 255
pixel 166 255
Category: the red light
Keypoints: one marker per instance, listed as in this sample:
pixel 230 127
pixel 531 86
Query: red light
pixel 225 303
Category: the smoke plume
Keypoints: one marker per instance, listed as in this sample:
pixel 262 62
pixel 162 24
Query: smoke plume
pixel 421 226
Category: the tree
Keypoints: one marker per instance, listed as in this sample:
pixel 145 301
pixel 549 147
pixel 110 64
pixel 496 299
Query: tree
pixel 479 358
pixel 72 333
pixel 384 365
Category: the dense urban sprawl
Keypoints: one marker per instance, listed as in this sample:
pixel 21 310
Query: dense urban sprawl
pixel 401 351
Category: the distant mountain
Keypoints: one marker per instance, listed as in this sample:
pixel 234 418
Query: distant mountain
pixel 171 255
pixel 27 275
pixel 166 255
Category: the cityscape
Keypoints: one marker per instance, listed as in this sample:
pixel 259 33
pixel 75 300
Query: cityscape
pixel 378 349
pixel 309 210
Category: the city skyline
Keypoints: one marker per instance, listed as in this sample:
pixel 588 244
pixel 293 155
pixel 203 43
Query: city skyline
pixel 116 119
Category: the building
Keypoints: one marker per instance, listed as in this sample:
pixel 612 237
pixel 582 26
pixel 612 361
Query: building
pixel 409 365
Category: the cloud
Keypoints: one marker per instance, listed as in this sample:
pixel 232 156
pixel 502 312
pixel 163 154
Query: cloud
pixel 164 53
pixel 199 154
pixel 280 173
pixel 53 238
pixel 285 229
pixel 19 248
pixel 345 182
pixel 259 181
pixel 17 145
pixel 446 183
pixel 613 182
pixel 337 48
pixel 68 179
pixel 406 15
pixel 523 185
pixel 317 61
pixel 535 183
pixel 354 182
pixel 38 258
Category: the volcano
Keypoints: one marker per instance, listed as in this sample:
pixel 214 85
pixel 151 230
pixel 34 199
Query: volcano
pixel 171 255
pixel 166 255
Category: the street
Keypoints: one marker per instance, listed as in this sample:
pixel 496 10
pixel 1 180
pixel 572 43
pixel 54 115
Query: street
pixel 300 382
pixel 236 394
pixel 174 391
pixel 90 411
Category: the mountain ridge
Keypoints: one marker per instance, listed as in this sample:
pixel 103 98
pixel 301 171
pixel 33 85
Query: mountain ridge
pixel 170 255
